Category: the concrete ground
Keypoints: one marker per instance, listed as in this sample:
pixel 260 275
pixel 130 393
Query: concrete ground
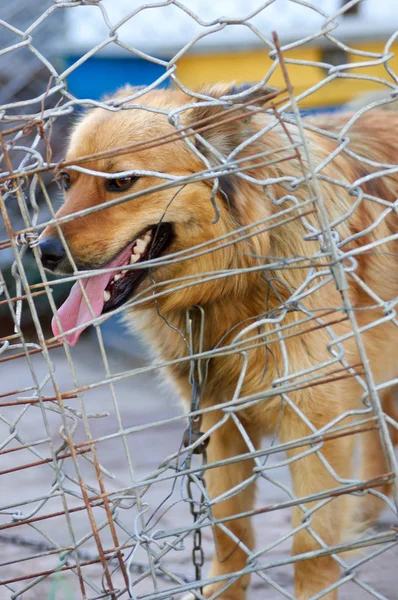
pixel 164 507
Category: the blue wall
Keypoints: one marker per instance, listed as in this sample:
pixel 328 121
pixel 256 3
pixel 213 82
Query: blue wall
pixel 99 76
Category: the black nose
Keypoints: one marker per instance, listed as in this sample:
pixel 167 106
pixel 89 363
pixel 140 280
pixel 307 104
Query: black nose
pixel 52 252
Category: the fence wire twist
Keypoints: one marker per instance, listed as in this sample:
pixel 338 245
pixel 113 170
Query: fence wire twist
pixel 111 536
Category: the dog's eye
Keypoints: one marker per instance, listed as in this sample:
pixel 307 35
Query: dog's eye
pixel 65 179
pixel 121 184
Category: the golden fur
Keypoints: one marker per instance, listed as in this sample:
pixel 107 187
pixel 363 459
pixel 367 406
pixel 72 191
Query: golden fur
pixel 232 302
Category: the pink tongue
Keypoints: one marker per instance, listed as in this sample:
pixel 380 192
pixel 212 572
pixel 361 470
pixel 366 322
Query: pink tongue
pixel 75 311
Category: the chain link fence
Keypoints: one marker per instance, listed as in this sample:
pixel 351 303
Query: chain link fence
pixel 108 486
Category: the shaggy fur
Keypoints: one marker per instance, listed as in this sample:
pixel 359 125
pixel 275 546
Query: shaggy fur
pixel 232 302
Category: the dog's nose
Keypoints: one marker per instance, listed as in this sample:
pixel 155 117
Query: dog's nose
pixel 52 252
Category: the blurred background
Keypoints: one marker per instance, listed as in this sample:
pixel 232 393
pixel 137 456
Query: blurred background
pixel 139 47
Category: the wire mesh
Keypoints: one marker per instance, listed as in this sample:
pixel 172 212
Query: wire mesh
pixel 101 497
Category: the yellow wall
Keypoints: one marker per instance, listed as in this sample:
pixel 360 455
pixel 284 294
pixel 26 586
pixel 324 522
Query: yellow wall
pixel 194 70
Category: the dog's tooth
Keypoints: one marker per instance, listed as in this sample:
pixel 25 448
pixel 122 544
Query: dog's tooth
pixel 117 277
pixel 140 246
pixel 107 295
pixel 134 258
pixel 124 272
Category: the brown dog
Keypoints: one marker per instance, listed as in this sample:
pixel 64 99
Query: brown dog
pixel 252 285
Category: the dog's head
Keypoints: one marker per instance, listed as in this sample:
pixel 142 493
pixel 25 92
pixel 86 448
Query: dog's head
pixel 139 215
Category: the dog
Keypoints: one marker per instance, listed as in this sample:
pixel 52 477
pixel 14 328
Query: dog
pixel 228 237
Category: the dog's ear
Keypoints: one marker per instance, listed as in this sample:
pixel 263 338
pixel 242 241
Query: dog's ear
pixel 226 123
pixel 223 129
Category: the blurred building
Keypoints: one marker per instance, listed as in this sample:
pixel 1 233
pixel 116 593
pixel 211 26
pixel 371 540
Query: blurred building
pixel 143 44
pixel 22 44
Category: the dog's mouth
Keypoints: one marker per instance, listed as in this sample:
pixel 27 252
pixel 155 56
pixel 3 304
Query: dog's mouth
pixel 123 284
pixel 108 291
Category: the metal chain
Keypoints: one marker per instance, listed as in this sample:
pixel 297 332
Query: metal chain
pixel 191 435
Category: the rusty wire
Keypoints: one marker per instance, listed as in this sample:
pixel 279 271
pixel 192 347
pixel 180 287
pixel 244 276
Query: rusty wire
pixel 127 548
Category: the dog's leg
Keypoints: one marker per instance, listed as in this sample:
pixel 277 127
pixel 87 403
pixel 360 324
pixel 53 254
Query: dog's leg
pixel 373 464
pixel 329 522
pixel 229 557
